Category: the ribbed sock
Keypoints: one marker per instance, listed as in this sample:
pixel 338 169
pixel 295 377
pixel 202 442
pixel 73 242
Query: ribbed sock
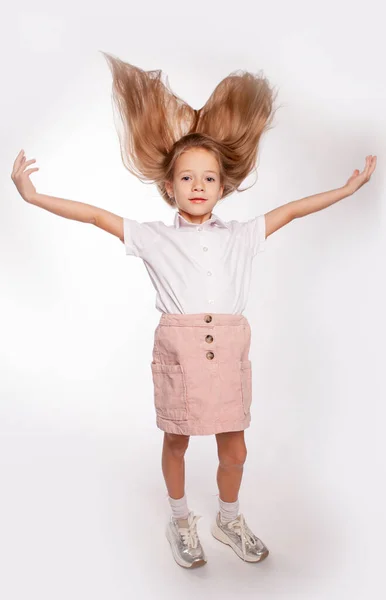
pixel 180 509
pixel 228 510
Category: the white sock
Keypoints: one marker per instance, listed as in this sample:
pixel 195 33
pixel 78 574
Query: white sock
pixel 228 510
pixel 179 507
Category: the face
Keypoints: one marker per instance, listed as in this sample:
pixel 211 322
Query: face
pixel 196 175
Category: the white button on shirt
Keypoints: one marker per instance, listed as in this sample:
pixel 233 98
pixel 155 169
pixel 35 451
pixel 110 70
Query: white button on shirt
pixel 197 269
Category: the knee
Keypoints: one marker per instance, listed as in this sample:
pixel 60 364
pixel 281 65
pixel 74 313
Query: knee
pixel 232 460
pixel 176 444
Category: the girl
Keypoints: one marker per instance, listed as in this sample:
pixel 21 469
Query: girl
pixel 200 267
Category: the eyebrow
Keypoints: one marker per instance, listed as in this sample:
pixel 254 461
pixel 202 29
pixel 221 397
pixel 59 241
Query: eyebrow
pixel 190 171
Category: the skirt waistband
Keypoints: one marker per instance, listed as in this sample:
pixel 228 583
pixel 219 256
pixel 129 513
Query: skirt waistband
pixel 201 319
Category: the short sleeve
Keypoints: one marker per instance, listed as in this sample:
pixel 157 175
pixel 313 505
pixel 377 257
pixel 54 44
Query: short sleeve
pixel 137 236
pixel 256 233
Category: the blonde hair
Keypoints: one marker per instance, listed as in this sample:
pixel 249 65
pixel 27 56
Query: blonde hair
pixel 158 126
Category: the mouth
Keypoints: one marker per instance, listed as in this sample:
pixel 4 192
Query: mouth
pixel 197 200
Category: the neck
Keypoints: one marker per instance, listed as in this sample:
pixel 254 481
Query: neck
pixel 196 219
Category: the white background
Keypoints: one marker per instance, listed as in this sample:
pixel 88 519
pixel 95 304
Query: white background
pixel 83 503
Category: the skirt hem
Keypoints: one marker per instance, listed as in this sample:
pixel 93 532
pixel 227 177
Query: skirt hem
pixel 189 428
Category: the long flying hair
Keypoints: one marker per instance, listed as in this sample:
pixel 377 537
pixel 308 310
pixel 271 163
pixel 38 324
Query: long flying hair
pixel 156 126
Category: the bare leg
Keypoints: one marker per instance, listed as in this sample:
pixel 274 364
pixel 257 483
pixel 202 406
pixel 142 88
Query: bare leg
pixel 232 453
pixel 173 463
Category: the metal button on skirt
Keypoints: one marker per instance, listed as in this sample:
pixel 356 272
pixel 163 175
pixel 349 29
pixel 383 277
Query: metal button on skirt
pixel 202 374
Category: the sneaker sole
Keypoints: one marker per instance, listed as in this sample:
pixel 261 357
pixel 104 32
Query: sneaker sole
pixel 197 563
pixel 222 537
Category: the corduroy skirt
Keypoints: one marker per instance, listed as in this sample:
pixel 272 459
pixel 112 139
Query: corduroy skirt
pixel 201 373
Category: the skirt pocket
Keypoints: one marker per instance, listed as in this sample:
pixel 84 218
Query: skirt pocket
pixel 246 384
pixel 169 391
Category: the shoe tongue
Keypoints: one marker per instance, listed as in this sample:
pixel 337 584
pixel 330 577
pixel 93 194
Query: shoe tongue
pixel 183 522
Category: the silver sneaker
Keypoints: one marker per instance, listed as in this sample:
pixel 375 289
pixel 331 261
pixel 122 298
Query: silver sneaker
pixel 184 542
pixel 238 535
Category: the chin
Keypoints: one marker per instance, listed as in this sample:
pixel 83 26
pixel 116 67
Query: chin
pixel 205 207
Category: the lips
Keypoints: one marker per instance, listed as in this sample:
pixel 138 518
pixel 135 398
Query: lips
pixel 197 199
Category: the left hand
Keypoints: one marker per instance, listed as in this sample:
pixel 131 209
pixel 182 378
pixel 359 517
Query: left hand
pixel 357 179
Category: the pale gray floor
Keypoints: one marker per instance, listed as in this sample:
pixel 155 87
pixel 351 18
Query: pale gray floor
pixel 83 516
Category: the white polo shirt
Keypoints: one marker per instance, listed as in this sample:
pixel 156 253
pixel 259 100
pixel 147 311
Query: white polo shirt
pixel 197 268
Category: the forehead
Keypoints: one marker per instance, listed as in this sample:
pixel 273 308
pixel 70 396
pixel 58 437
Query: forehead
pixel 197 159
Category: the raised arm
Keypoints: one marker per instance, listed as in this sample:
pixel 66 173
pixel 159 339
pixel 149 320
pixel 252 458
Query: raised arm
pixel 282 215
pixel 70 209
pixel 278 217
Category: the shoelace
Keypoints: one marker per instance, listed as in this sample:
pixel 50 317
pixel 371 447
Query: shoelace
pixel 189 534
pixel 240 527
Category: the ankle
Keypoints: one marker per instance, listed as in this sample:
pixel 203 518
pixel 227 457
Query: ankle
pixel 228 510
pixel 179 507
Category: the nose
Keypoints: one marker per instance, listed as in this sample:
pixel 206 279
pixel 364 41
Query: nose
pixel 197 186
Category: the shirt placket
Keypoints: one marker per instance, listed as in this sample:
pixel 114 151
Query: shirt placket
pixel 208 270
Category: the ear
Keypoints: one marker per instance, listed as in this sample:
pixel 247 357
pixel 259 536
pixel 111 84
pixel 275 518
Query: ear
pixel 169 187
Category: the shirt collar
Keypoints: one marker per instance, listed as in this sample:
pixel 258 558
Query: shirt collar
pixel 180 221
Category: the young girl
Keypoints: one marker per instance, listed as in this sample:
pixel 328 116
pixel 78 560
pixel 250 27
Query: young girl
pixel 200 267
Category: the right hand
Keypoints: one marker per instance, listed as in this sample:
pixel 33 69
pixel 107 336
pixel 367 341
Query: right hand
pixel 21 178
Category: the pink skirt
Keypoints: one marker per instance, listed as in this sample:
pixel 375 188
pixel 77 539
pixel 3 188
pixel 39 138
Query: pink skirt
pixel 202 374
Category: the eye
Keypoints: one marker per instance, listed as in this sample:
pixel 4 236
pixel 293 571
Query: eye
pixel 186 176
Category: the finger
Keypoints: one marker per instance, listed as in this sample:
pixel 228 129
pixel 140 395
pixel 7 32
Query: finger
pixel 29 171
pixel 364 172
pixel 368 165
pixel 17 162
pixel 29 162
pixel 20 166
pixel 373 163
pixel 24 164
